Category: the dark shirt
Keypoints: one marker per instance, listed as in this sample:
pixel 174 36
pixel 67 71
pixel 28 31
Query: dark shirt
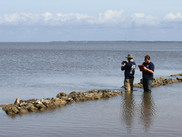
pixel 129 70
pixel 147 75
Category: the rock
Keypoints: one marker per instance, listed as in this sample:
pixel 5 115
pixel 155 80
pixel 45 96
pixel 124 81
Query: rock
pixel 40 106
pixel 104 91
pixel 80 93
pixel 23 111
pixel 179 79
pixel 69 100
pixel 106 96
pixel 138 85
pixel 46 102
pixel 17 101
pixel 15 109
pixel 180 74
pixel 89 96
pixel 97 96
pixel 170 81
pixel 92 91
pixel 116 93
pixel 22 104
pixel 51 105
pixel 61 94
pixel 2 105
pixel 31 108
pixel 59 102
pixel 30 100
pixel 73 93
pixel 11 109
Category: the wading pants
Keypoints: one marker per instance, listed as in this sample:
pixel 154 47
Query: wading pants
pixel 147 85
pixel 128 85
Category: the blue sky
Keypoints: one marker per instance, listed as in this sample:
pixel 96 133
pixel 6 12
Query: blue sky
pixel 64 20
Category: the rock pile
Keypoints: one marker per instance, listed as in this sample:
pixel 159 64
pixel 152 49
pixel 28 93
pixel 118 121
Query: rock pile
pixel 175 75
pixel 35 105
pixel 160 82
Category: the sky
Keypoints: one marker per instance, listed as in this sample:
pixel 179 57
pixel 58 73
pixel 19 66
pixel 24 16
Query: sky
pixel 90 20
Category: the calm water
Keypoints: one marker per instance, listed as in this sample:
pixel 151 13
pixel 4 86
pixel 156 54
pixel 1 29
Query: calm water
pixel 41 70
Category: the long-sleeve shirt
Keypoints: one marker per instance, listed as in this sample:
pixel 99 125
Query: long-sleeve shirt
pixel 129 69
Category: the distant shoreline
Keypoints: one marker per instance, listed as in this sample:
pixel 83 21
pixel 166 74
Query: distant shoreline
pixel 90 42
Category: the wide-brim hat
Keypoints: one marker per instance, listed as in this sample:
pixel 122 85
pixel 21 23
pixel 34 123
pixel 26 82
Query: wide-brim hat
pixel 130 56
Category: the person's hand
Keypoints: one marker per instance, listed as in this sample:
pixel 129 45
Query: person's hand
pixel 149 70
pixel 144 68
pixel 124 62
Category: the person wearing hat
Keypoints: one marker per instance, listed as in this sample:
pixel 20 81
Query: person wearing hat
pixel 147 74
pixel 129 68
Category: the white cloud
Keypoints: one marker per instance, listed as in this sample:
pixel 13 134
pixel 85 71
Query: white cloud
pixel 139 15
pixel 140 19
pixel 48 18
pixel 19 19
pixel 110 17
pixel 172 16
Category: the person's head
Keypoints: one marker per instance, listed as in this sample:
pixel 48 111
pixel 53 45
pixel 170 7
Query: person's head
pixel 147 59
pixel 129 57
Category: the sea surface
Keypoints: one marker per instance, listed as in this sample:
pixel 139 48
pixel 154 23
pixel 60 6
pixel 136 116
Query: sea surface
pixel 41 70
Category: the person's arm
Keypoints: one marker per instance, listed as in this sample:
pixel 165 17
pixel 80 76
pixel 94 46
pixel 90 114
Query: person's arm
pixel 123 65
pixel 149 70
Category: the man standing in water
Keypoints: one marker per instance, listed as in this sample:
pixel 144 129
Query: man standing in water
pixel 129 68
pixel 148 71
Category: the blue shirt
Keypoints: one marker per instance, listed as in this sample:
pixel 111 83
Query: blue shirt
pixel 129 70
pixel 147 75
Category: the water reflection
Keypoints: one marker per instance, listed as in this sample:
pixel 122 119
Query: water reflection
pixel 147 110
pixel 130 111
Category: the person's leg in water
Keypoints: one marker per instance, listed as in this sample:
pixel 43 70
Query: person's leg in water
pixel 147 85
pixel 127 85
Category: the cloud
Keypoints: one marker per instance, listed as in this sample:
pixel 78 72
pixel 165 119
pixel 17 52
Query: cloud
pixel 19 19
pixel 172 16
pixel 140 19
pixel 139 15
pixel 109 17
pixel 48 18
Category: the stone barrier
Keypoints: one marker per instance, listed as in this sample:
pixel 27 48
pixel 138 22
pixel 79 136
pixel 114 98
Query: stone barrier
pixel 159 82
pixel 21 107
pixel 175 75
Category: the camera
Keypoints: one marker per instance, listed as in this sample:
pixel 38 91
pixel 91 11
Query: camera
pixel 124 62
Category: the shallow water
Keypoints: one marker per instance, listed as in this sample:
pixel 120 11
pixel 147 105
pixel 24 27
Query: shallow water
pixel 40 70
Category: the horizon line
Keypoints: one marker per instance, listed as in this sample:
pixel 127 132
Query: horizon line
pixel 89 41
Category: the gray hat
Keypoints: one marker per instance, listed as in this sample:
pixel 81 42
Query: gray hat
pixel 130 56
